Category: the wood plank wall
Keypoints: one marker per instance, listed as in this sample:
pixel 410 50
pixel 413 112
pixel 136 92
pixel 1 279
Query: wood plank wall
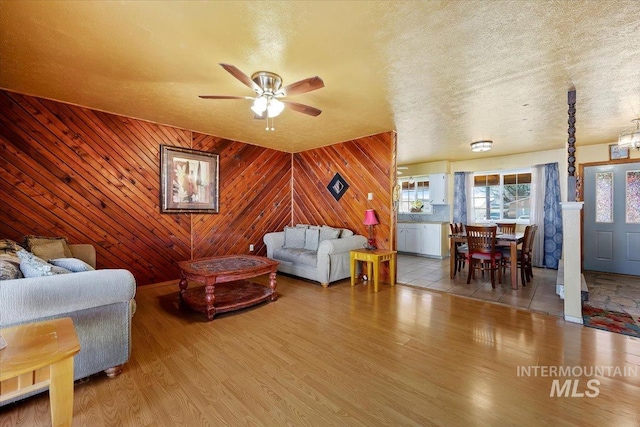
pixel 367 165
pixel 255 198
pixel 93 177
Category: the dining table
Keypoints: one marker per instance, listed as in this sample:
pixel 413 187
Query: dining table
pixel 507 240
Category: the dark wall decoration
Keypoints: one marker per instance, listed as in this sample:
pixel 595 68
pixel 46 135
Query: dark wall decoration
pixel 338 186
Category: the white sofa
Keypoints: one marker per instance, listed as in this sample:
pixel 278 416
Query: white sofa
pixel 324 261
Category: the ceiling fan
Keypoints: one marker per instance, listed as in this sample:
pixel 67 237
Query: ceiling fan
pixel 268 87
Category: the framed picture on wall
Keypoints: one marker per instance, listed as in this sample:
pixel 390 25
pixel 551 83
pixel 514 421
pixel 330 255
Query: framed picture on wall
pixel 617 152
pixel 188 180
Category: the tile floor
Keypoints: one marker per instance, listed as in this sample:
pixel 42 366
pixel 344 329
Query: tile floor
pixel 608 291
pixel 614 292
pixel 539 294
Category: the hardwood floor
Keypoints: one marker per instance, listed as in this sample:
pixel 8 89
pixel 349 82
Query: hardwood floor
pixel 345 356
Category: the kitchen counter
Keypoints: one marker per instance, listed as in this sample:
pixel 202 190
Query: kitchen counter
pixel 441 215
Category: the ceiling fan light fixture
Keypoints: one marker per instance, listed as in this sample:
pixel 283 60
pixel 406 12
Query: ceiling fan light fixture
pixel 268 87
pixel 479 146
pixel 274 107
pixel 630 137
pixel 259 105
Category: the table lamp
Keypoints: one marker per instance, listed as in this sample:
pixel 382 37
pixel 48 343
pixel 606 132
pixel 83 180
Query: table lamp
pixel 370 220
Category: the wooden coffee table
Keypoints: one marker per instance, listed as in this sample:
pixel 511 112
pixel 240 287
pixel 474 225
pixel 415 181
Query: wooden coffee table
pixel 225 285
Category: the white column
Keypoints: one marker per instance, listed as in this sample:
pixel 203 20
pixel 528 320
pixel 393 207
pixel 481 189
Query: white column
pixel 571 245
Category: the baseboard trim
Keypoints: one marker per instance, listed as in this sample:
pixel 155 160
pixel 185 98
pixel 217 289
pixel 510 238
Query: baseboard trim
pixel 573 319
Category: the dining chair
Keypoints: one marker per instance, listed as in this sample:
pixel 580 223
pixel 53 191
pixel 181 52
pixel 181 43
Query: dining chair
pixel 527 253
pixel 483 255
pixel 506 227
pixel 461 250
pixel 524 257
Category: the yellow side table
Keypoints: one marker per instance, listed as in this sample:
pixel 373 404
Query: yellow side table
pixel 37 355
pixel 374 259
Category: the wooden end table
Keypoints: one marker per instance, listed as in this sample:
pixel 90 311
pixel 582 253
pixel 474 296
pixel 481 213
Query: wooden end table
pixel 225 284
pixel 374 258
pixel 37 355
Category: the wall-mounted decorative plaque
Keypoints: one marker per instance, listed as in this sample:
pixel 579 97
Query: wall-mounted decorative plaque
pixel 338 186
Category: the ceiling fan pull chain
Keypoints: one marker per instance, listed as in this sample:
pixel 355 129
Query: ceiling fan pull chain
pixel 272 125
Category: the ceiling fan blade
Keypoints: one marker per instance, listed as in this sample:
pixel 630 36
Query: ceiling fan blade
pixel 301 108
pixel 224 97
pixel 303 86
pixel 241 76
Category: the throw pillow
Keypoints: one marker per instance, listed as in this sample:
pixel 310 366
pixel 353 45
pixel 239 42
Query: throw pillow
pixel 328 233
pixel 32 266
pixel 311 239
pixel 9 246
pixel 31 241
pixel 74 265
pixel 9 268
pixel 294 237
pixel 9 260
pixel 346 233
pixel 47 251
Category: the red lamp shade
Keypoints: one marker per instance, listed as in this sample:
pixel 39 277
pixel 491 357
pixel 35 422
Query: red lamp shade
pixel 370 217
pixel 370 220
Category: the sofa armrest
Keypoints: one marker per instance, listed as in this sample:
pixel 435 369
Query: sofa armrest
pixel 334 259
pixel 85 252
pixel 273 241
pixel 345 244
pixel 25 300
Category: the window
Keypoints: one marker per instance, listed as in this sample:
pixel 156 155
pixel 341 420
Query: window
pixel 502 196
pixel 411 191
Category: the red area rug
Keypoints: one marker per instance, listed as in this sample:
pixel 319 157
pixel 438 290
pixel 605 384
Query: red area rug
pixel 612 321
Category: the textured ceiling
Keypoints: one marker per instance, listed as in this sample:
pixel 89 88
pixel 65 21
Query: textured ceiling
pixel 440 73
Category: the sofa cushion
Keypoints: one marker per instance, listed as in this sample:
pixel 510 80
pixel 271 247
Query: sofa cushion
pixel 311 239
pixel 31 241
pixel 74 265
pixel 294 237
pixel 32 266
pixel 51 250
pixel 328 233
pixel 298 256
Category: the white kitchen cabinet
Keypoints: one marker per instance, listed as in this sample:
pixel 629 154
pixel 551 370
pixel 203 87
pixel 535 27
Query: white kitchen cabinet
pixel 438 188
pixel 434 240
pixel 410 238
pixel 428 239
